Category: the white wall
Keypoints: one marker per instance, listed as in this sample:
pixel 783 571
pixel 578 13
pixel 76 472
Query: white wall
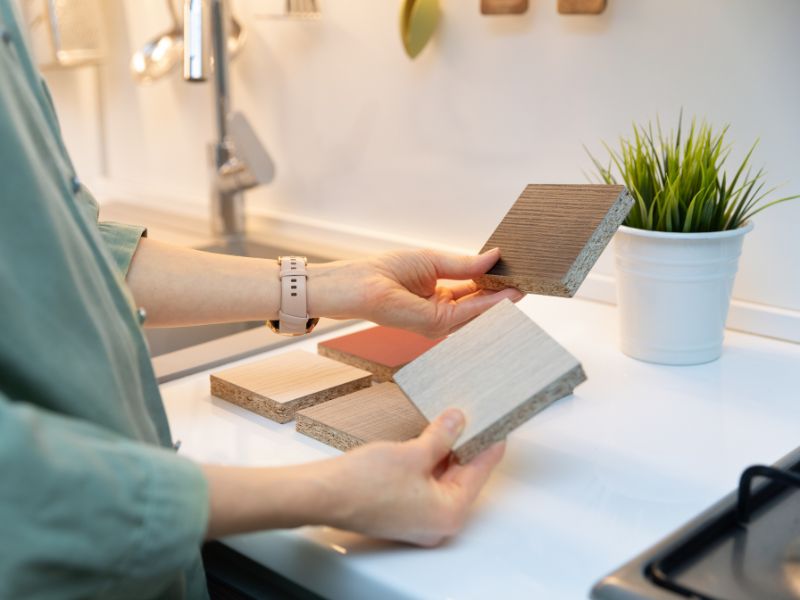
pixel 439 147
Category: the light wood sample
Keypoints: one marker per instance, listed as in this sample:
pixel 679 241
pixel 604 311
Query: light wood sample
pixel 581 7
pixel 553 235
pixel 500 369
pixel 278 386
pixel 380 350
pixel 504 7
pixel 379 413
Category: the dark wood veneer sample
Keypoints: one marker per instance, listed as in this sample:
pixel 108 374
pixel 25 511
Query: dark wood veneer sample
pixel 553 235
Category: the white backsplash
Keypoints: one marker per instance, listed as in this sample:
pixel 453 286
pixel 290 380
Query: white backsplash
pixel 439 147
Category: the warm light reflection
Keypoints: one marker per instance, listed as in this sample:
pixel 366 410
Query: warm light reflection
pixel 339 549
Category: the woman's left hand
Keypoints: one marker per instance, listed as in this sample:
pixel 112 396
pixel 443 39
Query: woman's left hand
pixel 401 289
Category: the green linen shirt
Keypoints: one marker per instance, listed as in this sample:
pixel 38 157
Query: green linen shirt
pixel 93 502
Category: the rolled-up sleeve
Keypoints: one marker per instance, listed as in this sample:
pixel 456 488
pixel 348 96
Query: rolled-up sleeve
pixel 82 507
pixel 121 241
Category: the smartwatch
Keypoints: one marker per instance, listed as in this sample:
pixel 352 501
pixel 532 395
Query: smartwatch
pixel 293 316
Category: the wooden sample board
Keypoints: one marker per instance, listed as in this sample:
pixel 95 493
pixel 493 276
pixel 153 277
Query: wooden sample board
pixel 553 235
pixel 500 369
pixel 278 386
pixel 378 413
pixel 379 350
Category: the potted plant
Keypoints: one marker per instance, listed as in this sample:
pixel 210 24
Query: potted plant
pixel 678 250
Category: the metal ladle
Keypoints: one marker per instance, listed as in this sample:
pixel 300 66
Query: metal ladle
pixel 164 53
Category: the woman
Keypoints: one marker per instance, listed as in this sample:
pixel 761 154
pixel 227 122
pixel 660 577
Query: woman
pixel 94 500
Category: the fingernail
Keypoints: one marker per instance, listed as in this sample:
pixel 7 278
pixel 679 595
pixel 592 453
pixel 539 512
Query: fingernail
pixel 453 421
pixel 492 250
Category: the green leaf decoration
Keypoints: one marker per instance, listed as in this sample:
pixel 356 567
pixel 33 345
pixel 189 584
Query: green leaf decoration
pixel 679 179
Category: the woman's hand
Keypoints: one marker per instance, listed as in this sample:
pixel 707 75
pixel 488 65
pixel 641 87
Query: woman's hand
pixel 411 491
pixel 401 289
pixel 414 491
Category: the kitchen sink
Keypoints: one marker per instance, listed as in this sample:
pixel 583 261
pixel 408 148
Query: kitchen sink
pixel 163 341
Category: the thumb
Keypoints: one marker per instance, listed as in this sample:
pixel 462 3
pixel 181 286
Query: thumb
pixel 438 437
pixel 459 266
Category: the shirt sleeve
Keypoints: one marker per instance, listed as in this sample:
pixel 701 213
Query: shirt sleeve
pixel 121 241
pixel 81 507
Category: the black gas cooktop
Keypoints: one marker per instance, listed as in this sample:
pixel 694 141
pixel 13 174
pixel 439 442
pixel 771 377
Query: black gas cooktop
pixel 745 547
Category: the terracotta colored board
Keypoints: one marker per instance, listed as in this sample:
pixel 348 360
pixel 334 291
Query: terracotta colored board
pixel 504 7
pixel 553 235
pixel 500 369
pixel 581 7
pixel 278 386
pixel 379 413
pixel 379 350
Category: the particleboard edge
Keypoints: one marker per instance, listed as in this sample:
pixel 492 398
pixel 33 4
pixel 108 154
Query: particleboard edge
pixel 598 241
pixel 326 434
pixel 523 284
pixel 281 412
pixel 560 388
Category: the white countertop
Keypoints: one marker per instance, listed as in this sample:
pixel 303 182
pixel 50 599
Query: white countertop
pixel 585 485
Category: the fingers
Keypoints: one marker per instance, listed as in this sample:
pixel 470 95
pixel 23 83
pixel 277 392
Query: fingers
pixel 460 290
pixel 469 307
pixel 458 266
pixel 471 477
pixel 438 437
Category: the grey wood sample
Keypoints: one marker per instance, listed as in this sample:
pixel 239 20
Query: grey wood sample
pixel 553 235
pixel 499 369
pixel 378 413
pixel 278 386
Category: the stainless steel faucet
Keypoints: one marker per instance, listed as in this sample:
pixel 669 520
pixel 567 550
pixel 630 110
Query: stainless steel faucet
pixel 238 159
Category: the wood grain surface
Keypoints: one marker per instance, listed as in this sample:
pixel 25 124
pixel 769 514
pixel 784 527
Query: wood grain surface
pixel 379 350
pixel 500 369
pixel 278 386
pixel 378 413
pixel 553 235
pixel 581 7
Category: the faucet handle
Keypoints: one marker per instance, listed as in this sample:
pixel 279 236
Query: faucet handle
pixel 250 149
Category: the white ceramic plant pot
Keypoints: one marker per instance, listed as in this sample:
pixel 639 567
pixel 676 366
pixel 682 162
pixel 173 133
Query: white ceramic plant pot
pixel 673 292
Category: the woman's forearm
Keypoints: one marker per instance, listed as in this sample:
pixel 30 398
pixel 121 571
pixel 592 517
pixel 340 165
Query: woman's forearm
pixel 246 499
pixel 179 286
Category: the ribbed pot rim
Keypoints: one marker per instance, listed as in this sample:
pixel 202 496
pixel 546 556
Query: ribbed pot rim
pixel 672 235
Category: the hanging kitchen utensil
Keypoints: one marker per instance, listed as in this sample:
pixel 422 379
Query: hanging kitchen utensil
pixel 304 10
pixel 504 7
pixel 581 7
pixel 65 33
pixel 161 54
pixel 418 21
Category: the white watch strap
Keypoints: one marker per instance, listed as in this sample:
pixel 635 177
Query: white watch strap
pixel 293 314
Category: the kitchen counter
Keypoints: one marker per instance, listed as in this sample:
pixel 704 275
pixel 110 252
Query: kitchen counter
pixel 587 484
